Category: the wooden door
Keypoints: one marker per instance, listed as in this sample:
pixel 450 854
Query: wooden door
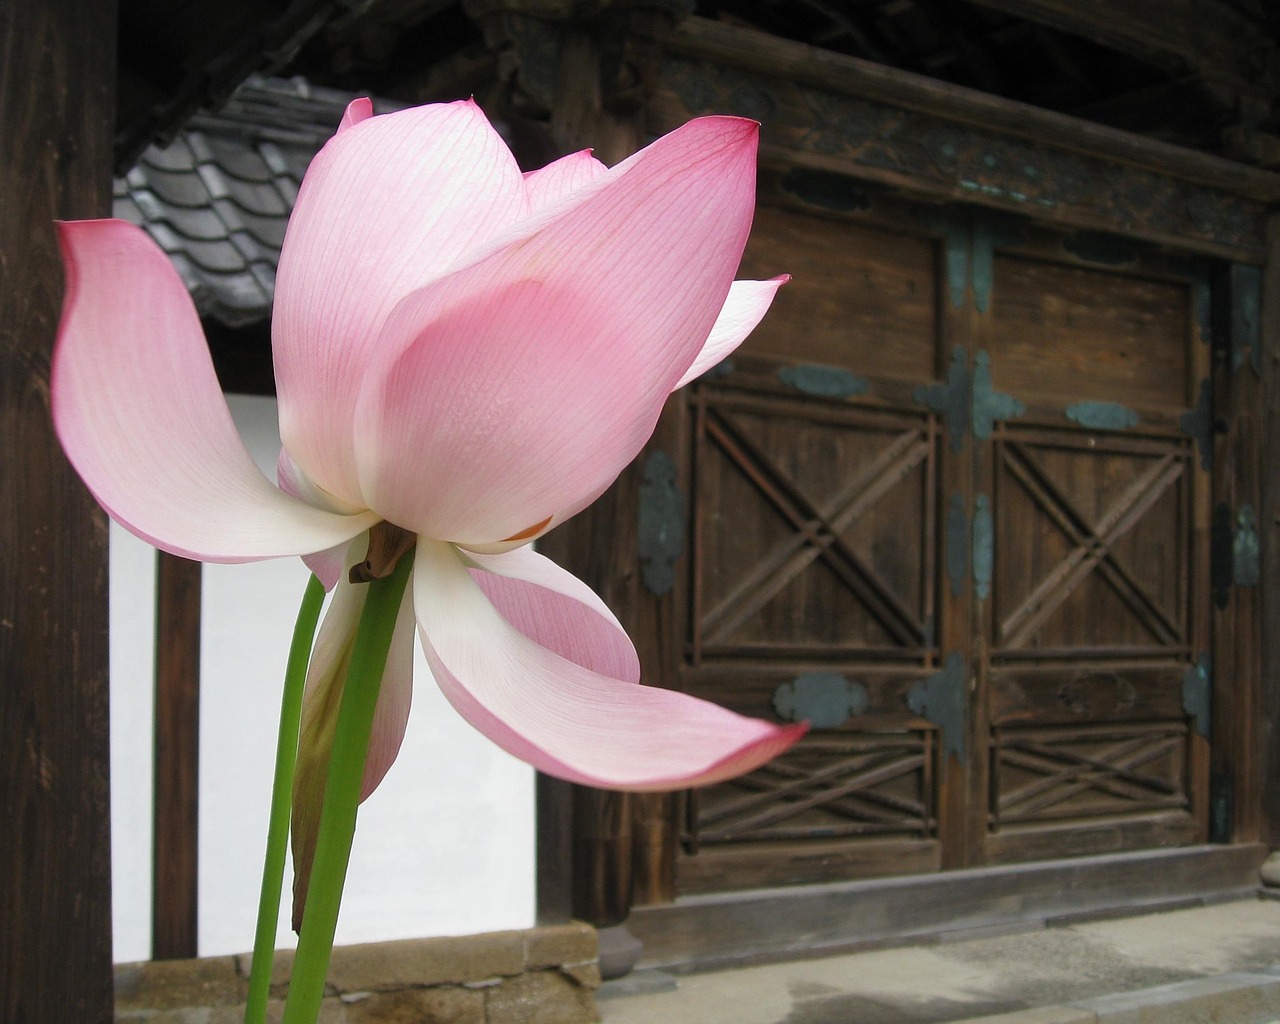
pixel 948 505
pixel 1093 638
pixel 815 559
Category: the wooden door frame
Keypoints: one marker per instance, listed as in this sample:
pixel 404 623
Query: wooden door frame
pixel 56 103
pixel 836 129
pixel 1264 736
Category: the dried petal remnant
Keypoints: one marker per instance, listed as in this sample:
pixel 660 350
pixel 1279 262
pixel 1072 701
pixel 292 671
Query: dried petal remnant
pixel 387 544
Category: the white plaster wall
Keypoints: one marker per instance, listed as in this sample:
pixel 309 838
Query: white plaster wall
pixel 444 847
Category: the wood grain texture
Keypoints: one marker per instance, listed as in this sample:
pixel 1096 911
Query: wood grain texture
pixel 820 524
pixel 1266 729
pixel 716 42
pixel 733 928
pixel 175 841
pixel 833 113
pixel 57 67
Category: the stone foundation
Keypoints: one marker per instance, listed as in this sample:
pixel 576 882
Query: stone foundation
pixel 539 976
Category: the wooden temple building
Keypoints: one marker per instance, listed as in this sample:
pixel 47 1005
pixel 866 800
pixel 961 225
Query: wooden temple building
pixel 990 498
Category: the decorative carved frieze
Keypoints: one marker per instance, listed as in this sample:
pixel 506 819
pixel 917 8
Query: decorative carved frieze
pixel 927 155
pixel 535 40
pixel 939 142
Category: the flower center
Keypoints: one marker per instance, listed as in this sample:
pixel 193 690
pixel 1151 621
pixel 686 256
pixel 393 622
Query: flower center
pixel 387 544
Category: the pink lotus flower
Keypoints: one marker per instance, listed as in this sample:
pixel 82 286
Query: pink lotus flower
pixel 471 354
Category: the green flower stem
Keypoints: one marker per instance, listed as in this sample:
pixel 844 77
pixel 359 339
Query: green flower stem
pixel 342 794
pixel 295 677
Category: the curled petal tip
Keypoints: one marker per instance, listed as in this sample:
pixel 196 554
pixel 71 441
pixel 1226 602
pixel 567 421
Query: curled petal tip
pixel 357 110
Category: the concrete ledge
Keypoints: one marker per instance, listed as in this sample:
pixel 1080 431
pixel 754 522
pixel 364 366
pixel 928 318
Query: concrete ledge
pixel 548 975
pixel 763 925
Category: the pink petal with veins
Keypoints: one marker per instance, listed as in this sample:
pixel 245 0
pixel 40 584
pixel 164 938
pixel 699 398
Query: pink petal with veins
pixel 561 179
pixel 521 385
pixel 556 610
pixel 562 718
pixel 745 307
pixel 357 110
pixel 139 412
pixel 387 206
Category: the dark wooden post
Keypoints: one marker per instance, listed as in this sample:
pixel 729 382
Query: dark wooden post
pixel 554 838
pixel 177 758
pixel 57 84
pixel 1266 734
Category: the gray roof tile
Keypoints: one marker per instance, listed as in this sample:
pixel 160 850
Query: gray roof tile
pixel 218 197
pixel 239 161
pixel 177 188
pixel 174 157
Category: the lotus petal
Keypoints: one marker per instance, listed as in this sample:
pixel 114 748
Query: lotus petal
pixel 521 385
pixel 139 412
pixel 556 610
pixel 745 307
pixel 562 718
pixel 561 179
pixel 387 206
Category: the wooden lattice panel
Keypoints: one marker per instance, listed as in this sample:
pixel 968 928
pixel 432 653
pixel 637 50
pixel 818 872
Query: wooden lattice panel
pixel 829 786
pixel 1091 543
pixel 1054 775
pixel 815 529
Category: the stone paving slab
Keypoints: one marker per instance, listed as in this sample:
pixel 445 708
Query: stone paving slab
pixel 1201 965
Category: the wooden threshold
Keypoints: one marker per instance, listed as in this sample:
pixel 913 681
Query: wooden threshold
pixel 701 932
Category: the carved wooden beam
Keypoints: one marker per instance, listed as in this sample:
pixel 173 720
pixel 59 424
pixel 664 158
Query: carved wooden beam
pixel 942 142
pixel 545 45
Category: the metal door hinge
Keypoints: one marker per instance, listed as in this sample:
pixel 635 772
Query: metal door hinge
pixel 1102 415
pixel 825 700
pixel 1235 552
pixel 966 549
pixel 984 546
pixel 941 699
pixel 1245 554
pixel 1244 330
pixel 989 405
pixel 660 526
pixel 824 381
pixel 1197 423
pixel 1197 694
pixel 950 400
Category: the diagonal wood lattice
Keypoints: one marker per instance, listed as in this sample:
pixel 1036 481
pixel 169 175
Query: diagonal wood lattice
pixel 818 531
pixel 1057 774
pixel 833 786
pixel 1092 546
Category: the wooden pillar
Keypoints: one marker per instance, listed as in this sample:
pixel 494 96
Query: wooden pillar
pixel 1266 731
pixel 558 71
pixel 177 758
pixel 554 839
pixel 1234 797
pixel 57 84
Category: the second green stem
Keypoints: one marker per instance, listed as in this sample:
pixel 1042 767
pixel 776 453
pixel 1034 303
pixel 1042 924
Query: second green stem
pixel 342 793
